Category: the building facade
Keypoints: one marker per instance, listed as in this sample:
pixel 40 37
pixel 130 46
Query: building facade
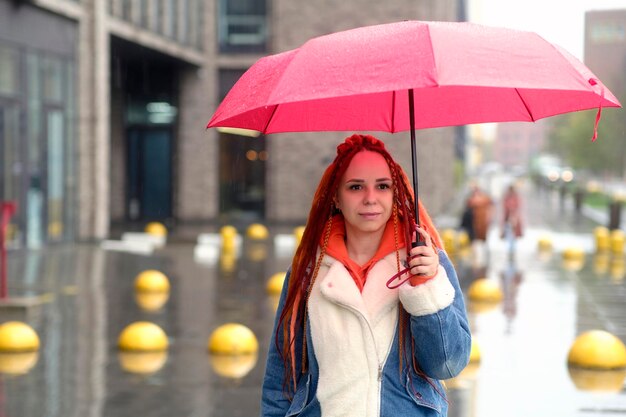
pixel 605 48
pixel 103 105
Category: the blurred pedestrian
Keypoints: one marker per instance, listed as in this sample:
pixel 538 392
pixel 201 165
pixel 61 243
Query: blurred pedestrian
pixel 512 226
pixel 347 341
pixel 481 206
pixel 482 210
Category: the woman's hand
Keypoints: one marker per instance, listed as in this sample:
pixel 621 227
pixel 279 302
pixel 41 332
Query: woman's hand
pixel 423 260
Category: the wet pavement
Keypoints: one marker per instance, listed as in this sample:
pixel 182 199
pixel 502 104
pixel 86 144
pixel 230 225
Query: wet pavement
pixel 85 298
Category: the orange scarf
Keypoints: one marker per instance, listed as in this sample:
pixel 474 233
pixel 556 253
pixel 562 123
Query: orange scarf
pixel 337 249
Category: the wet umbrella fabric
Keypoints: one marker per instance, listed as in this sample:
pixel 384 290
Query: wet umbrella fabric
pixel 458 73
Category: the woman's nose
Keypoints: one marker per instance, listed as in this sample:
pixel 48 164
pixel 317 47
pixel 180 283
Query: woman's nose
pixel 370 197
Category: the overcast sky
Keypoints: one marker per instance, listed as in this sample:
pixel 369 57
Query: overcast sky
pixel 558 21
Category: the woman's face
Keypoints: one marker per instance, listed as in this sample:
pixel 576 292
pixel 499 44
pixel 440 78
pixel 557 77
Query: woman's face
pixel 365 195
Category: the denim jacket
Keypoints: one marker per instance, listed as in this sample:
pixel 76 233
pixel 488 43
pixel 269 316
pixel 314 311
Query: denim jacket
pixel 353 346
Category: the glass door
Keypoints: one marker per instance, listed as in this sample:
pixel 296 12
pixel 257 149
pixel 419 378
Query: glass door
pixel 11 168
pixel 149 188
pixel 55 127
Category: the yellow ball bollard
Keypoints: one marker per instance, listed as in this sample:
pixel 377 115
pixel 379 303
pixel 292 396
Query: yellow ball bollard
pixel 229 235
pixel 18 363
pixel 233 339
pixel 228 262
pixel 151 301
pixel 485 290
pixel 257 231
pixel 256 251
pixel 233 366
pixel 601 236
pixel 298 233
pixel 228 230
pixel 544 243
pixel 474 352
pixel 598 381
pixel 601 261
pixel 573 258
pixel 462 239
pixel 573 253
pixel 16 336
pixel 449 240
pixel 152 280
pixel 469 372
pixel 618 269
pixel 143 336
pixel 275 283
pixel 617 241
pixel 142 363
pixel 597 349
pixel 156 229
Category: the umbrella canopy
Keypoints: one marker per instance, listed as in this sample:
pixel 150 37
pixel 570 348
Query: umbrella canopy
pixel 461 73
pixel 406 75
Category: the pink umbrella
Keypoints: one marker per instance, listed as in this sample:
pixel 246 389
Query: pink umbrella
pixel 406 75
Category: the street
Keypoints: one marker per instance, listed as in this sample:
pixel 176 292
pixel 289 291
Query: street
pixel 87 298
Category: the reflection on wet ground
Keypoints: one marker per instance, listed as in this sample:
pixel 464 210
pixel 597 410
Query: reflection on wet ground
pixel 86 299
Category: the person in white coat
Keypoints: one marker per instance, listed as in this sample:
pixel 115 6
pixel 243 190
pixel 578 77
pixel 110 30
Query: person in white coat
pixel 365 326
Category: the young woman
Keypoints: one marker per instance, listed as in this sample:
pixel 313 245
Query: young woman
pixel 348 340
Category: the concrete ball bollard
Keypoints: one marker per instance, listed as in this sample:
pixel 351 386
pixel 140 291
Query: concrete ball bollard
pixel 143 336
pixel 275 283
pixel 485 290
pixel 257 231
pixel 156 229
pixel 152 280
pixel 597 349
pixel 233 339
pixel 16 336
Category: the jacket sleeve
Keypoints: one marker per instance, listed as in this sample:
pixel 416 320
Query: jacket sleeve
pixel 439 323
pixel 274 402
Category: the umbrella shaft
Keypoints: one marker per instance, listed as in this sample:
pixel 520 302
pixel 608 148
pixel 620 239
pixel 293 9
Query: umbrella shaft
pixel 413 155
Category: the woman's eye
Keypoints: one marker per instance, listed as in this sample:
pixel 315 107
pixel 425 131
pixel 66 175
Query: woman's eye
pixel 355 187
pixel 384 186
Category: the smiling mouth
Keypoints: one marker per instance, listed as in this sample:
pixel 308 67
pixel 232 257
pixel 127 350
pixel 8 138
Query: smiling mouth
pixel 370 214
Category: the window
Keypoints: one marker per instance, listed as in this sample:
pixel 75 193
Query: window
pixel 242 26
pixel 9 67
pixel 52 79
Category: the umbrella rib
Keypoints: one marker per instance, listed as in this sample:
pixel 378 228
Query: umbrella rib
pixel 393 111
pixel 525 105
pixel 269 119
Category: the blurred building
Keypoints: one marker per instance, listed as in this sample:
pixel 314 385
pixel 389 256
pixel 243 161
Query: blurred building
pixel 103 105
pixel 516 143
pixel 605 48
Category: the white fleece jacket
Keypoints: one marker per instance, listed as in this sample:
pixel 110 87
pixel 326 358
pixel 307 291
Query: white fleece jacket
pixel 352 332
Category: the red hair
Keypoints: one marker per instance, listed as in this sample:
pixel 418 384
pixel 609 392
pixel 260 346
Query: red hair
pixel 304 266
